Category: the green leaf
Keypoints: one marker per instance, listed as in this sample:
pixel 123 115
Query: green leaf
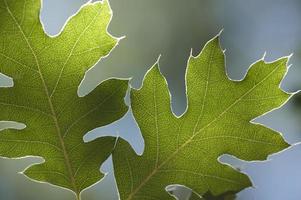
pixel 225 196
pixel 185 150
pixel 47 72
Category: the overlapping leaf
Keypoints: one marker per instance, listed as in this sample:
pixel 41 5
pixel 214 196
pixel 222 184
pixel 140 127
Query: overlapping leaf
pixel 185 150
pixel 47 72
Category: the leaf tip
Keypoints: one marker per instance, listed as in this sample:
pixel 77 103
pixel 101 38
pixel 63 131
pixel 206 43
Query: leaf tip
pixel 214 43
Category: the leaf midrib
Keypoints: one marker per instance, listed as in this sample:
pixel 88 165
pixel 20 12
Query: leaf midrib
pixel 212 53
pixel 66 157
pixel 155 170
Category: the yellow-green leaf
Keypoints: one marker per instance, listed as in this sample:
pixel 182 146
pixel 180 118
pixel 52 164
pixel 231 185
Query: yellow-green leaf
pixel 185 150
pixel 47 72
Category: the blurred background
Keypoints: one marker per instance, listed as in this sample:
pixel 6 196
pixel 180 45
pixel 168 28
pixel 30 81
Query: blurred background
pixel 171 28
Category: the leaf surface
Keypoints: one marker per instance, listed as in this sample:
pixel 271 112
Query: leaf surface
pixel 185 150
pixel 47 72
